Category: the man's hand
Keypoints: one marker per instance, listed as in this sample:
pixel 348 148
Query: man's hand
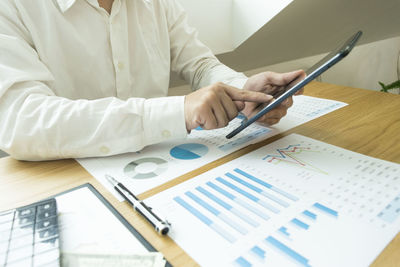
pixel 273 84
pixel 215 105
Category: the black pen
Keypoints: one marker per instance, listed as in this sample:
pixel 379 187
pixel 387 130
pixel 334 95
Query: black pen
pixel 162 227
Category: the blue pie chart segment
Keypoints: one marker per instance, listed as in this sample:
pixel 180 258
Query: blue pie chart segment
pixel 188 151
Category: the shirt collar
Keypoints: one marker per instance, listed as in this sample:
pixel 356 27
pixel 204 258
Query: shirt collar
pixel 65 4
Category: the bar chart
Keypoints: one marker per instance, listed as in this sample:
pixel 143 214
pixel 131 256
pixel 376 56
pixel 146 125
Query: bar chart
pixel 281 242
pixel 254 212
pixel 208 202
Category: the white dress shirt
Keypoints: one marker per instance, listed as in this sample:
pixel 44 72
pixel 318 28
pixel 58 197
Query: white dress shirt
pixel 76 81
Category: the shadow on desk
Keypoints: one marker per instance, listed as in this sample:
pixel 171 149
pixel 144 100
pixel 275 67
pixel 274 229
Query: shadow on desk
pixel 3 154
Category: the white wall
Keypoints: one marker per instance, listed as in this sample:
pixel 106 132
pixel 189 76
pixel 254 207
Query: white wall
pixel 300 30
pixel 248 16
pixel 362 68
pixel 370 63
pixel 224 24
pixel 309 27
pixel 212 19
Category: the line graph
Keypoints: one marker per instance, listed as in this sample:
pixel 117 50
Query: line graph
pixel 292 155
pixel 275 206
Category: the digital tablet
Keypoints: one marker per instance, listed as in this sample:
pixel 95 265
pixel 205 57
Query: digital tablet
pixel 312 73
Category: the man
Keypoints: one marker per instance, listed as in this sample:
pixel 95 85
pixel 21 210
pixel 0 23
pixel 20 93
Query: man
pixel 82 78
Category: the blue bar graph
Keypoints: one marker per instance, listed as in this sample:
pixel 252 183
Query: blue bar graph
pixel 242 262
pixel 238 201
pixel 205 220
pixel 258 190
pixel 310 215
pixel 194 211
pixel 259 252
pixel 284 231
pixel 325 209
pixel 217 213
pixel 248 195
pixel 267 185
pixel 228 207
pixel 287 251
pixel 300 224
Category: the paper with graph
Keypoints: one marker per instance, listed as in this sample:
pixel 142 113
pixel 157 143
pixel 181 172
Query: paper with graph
pixel 157 164
pixel 296 201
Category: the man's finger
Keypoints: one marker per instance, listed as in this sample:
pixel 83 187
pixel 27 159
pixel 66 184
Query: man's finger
pixel 300 92
pixel 220 114
pixel 276 113
pixel 289 78
pixel 240 105
pixel 230 107
pixel 208 120
pixel 287 103
pixel 296 80
pixel 271 121
pixel 246 95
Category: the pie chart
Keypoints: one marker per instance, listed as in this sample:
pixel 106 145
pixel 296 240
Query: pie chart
pixel 145 168
pixel 188 151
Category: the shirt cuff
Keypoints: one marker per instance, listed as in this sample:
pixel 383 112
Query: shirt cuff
pixel 164 119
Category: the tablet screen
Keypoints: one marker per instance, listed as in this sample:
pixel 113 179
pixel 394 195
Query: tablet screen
pixel 316 70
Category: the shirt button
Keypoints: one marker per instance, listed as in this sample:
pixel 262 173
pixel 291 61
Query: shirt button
pixel 120 65
pixel 166 133
pixel 104 149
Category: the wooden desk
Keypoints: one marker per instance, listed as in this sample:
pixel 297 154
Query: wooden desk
pixel 369 125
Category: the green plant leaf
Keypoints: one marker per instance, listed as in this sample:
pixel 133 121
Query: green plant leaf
pixel 390 86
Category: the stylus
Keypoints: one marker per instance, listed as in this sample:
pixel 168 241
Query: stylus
pixel 246 122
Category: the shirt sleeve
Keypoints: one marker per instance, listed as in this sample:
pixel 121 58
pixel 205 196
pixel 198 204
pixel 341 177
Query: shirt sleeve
pixel 36 124
pixel 190 58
